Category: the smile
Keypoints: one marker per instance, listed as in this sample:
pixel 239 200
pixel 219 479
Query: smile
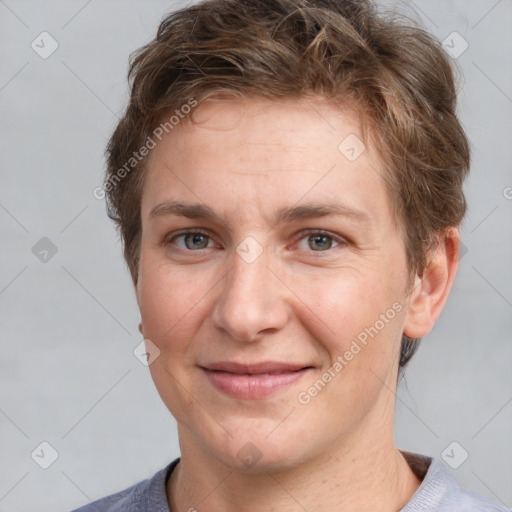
pixel 253 381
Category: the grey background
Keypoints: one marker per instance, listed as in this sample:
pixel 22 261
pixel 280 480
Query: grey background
pixel 69 325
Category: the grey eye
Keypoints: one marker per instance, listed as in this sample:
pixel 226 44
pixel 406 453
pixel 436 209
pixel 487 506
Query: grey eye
pixel 196 241
pixel 320 242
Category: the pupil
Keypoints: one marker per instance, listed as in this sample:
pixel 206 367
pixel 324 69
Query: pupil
pixel 321 242
pixel 197 241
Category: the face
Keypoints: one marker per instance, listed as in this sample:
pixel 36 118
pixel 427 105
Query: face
pixel 272 281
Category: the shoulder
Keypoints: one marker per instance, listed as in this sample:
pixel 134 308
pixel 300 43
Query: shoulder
pixel 146 495
pixel 440 492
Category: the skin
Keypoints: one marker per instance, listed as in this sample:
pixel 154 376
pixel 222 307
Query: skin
pixel 303 300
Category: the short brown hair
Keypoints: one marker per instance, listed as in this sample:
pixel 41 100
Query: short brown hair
pixel 393 72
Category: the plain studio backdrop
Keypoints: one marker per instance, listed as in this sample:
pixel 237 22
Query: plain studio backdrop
pixel 70 379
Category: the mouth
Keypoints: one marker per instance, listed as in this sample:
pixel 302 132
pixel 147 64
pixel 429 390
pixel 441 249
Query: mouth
pixel 255 380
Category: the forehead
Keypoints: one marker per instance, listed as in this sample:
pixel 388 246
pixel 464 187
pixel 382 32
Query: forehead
pixel 256 154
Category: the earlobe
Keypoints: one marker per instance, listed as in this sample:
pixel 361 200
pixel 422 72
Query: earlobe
pixel 430 291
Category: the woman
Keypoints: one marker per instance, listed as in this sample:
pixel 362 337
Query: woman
pixel 287 181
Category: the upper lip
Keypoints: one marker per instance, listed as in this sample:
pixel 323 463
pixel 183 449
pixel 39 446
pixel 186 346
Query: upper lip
pixel 254 368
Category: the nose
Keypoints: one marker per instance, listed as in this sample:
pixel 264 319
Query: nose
pixel 252 301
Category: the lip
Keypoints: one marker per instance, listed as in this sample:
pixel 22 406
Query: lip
pixel 251 381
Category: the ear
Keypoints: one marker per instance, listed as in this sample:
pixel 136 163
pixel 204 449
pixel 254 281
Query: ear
pixel 136 288
pixel 431 290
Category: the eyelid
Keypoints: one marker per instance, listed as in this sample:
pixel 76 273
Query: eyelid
pixel 308 232
pixel 341 241
pixel 200 231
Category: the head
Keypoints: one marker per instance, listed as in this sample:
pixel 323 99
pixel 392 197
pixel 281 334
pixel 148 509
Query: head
pixel 241 110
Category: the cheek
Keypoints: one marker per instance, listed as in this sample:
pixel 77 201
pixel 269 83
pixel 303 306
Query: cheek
pixel 359 348
pixel 339 305
pixel 169 302
pixel 169 299
pixel 356 320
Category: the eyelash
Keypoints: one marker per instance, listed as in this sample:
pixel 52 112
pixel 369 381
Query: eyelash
pixel 302 235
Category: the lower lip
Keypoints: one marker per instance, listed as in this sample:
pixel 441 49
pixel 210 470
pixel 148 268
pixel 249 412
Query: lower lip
pixel 251 387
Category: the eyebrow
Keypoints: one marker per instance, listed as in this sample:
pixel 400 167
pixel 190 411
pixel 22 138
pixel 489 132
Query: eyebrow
pixel 287 214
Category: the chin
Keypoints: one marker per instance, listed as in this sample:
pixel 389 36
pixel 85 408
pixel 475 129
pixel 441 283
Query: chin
pixel 255 452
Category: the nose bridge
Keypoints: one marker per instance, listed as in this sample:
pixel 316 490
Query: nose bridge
pixel 250 301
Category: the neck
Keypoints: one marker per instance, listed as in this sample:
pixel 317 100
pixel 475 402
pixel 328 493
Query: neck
pixel 371 477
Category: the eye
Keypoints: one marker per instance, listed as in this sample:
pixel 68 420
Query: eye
pixel 191 241
pixel 319 241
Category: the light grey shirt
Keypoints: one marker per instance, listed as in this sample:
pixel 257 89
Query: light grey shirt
pixel 438 492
